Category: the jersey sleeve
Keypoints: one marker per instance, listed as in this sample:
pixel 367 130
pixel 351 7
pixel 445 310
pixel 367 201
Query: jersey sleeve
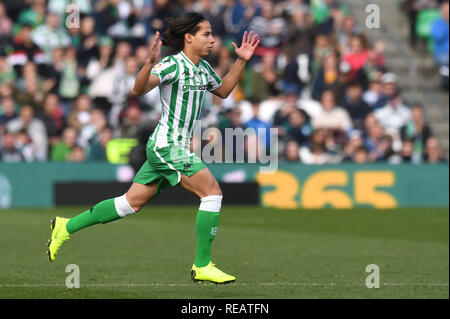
pixel 214 81
pixel 165 70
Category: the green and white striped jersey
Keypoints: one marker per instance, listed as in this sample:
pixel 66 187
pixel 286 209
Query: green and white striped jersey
pixel 182 89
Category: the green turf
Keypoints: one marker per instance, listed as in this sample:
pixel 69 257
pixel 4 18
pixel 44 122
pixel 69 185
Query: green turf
pixel 273 254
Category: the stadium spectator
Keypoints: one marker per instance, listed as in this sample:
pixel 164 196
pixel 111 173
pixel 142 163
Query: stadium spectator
pixel 61 150
pixel 122 86
pixel 69 83
pixel 33 15
pixel 327 77
pixel 331 116
pixel 281 115
pixel 90 132
pixel 237 16
pixel 50 35
pixel 378 144
pixel 417 131
pixel 360 156
pixel 101 62
pixel 77 154
pixel 261 128
pixel 394 115
pixel 354 104
pixel 344 32
pixel 6 24
pixel 412 9
pixel 323 47
pixel 25 145
pixel 316 151
pixel 373 94
pixel 33 93
pixel 9 153
pixel 292 152
pixel 389 89
pixel 315 154
pixel 223 61
pixel 433 152
pixel 133 122
pixel 300 32
pixel 161 11
pixel 88 41
pixel 358 55
pixel 440 36
pixel 407 152
pixel 34 127
pixel 7 74
pixel 265 80
pixel 232 120
pixel 7 110
pixel 80 115
pixel 213 12
pixel 97 149
pixel 25 50
pixel 374 68
pixel 53 118
pixel 298 127
pixel 354 143
pixel 270 28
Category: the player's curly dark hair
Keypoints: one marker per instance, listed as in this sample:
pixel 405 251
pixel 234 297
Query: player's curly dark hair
pixel 174 36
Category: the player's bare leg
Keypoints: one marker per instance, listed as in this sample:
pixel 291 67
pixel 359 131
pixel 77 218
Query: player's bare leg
pixel 138 195
pixel 205 186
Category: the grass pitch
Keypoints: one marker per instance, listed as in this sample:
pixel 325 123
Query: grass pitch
pixel 273 253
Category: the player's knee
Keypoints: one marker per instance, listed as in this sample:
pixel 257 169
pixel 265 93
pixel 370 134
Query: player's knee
pixel 211 203
pixel 124 206
pixel 137 206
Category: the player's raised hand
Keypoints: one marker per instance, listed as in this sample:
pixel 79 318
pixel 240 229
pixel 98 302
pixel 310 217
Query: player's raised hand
pixel 155 50
pixel 248 46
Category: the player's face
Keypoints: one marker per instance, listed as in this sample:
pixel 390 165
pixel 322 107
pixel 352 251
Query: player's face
pixel 203 40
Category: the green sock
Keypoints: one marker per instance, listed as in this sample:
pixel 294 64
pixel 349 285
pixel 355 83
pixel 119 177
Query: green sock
pixel 103 212
pixel 206 226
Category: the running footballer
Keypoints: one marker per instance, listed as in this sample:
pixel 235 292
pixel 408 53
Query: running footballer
pixel 183 79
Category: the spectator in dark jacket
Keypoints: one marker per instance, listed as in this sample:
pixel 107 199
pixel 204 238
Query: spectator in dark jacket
pixel 355 105
pixel 8 151
pixel 417 131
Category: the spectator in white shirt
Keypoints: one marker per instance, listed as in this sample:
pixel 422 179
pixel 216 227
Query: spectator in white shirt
pixel 50 35
pixel 34 127
pixel 331 117
pixel 394 115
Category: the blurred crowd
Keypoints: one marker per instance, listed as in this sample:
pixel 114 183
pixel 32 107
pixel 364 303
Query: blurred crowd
pixel 429 23
pixel 64 85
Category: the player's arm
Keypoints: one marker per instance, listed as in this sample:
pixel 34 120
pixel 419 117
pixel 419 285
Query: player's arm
pixel 145 82
pixel 244 54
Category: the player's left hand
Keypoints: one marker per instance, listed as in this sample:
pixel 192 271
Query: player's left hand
pixel 248 46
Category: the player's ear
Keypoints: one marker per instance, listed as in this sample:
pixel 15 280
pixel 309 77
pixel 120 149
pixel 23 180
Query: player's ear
pixel 188 37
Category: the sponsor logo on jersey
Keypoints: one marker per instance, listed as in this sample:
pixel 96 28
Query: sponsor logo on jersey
pixel 188 87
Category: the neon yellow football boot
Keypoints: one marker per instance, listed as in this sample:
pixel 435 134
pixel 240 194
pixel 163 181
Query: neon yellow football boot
pixel 59 235
pixel 210 273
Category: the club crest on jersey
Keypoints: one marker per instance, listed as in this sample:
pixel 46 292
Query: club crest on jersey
pixel 189 87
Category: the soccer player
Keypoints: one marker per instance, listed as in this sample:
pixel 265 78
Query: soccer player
pixel 183 79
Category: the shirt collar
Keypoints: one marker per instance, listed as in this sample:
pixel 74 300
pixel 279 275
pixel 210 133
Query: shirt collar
pixel 189 61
